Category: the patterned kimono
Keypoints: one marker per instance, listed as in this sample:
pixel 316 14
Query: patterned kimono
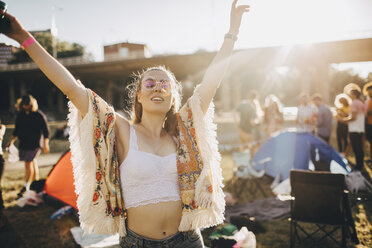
pixel 96 168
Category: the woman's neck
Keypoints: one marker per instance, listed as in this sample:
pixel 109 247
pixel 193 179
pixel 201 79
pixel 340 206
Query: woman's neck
pixel 153 124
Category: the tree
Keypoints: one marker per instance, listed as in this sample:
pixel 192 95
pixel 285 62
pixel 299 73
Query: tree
pixel 338 79
pixel 64 48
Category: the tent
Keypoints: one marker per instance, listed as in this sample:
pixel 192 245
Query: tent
pixel 60 182
pixel 297 150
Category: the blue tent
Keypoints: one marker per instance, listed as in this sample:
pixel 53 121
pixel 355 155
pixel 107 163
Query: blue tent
pixel 294 150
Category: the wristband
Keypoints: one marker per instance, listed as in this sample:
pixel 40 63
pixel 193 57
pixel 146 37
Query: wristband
pixel 28 42
pixel 231 36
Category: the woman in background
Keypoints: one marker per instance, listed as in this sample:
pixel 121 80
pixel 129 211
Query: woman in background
pixel 31 124
pixel 273 116
pixel 342 103
pixel 356 124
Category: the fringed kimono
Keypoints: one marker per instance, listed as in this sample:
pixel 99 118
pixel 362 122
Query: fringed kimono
pixel 96 167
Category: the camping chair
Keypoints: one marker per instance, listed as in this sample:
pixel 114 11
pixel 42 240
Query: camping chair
pixel 319 198
pixel 247 177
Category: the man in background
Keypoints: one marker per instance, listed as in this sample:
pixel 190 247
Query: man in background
pixel 250 118
pixel 306 114
pixel 2 216
pixel 324 118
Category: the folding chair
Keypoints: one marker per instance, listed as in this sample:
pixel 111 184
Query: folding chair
pixel 247 177
pixel 320 198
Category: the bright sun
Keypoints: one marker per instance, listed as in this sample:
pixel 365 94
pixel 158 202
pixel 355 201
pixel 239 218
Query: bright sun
pixel 289 22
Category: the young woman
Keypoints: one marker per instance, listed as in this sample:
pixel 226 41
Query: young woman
pixel 342 103
pixel 273 115
pixel 155 180
pixel 30 125
pixel 356 125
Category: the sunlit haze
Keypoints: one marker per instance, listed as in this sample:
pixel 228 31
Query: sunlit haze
pixel 170 26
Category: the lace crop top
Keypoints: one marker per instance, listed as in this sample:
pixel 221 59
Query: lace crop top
pixel 148 178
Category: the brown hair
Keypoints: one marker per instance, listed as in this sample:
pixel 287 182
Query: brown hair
pixel 136 113
pixel 355 92
pixel 316 96
pixel 26 100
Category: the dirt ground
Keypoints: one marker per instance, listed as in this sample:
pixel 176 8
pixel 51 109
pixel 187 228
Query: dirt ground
pixel 32 227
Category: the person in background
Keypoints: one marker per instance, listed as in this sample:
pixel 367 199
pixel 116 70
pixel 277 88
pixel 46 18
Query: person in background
pixel 244 117
pixel 342 104
pixel 306 114
pixel 367 91
pixel 273 116
pixel 249 123
pixel 257 129
pixel 356 124
pixel 324 118
pixel 30 125
pixel 2 132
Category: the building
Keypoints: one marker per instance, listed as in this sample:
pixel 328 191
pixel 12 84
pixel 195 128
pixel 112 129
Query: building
pixel 6 53
pixel 125 50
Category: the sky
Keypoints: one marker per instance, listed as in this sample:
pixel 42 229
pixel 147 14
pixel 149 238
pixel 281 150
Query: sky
pixel 185 26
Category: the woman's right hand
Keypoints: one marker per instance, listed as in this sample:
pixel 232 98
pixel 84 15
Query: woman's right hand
pixel 16 31
pixel 54 70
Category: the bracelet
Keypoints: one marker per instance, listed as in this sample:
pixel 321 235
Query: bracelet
pixel 28 42
pixel 231 36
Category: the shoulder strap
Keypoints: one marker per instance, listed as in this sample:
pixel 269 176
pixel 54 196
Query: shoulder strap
pixel 133 138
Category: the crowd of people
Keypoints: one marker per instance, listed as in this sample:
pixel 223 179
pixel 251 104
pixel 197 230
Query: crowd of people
pixel 353 115
pixel 256 122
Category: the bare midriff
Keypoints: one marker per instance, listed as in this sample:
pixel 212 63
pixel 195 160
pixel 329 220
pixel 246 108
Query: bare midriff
pixel 155 221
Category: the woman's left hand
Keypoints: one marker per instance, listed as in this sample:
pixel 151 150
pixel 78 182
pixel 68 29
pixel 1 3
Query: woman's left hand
pixel 236 16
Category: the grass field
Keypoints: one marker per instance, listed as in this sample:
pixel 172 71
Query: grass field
pixel 32 227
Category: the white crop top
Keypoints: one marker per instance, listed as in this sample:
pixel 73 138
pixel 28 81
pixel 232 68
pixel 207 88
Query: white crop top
pixel 148 178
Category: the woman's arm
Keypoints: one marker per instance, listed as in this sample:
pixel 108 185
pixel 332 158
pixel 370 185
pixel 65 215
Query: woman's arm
pixel 217 69
pixel 350 118
pixel 11 141
pixel 55 71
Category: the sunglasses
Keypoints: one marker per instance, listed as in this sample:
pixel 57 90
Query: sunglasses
pixel 150 84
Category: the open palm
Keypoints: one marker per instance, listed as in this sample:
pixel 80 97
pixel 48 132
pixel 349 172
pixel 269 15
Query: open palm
pixel 236 16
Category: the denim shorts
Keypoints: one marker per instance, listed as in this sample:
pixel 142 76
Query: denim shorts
pixel 189 239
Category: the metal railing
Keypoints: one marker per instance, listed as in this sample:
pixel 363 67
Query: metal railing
pixel 31 65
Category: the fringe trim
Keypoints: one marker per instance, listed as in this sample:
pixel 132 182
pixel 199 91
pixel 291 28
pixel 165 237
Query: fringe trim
pixel 93 218
pixel 206 136
pixel 199 218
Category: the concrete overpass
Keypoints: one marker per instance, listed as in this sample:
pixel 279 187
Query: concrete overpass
pixel 108 78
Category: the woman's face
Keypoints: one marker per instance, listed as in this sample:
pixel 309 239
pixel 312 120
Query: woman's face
pixel 26 108
pixel 273 105
pixel 155 92
pixel 352 95
pixel 344 102
pixel 304 99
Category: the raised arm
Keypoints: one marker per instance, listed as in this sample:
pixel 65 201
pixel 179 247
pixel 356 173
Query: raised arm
pixel 217 69
pixel 54 70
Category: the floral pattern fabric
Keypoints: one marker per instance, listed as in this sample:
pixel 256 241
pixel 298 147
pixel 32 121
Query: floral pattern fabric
pixel 199 175
pixel 107 166
pixel 189 162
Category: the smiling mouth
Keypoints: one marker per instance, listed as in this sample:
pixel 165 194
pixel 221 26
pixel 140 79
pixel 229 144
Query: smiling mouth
pixel 157 99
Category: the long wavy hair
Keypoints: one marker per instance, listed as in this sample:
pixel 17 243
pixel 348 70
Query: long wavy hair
pixel 170 122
